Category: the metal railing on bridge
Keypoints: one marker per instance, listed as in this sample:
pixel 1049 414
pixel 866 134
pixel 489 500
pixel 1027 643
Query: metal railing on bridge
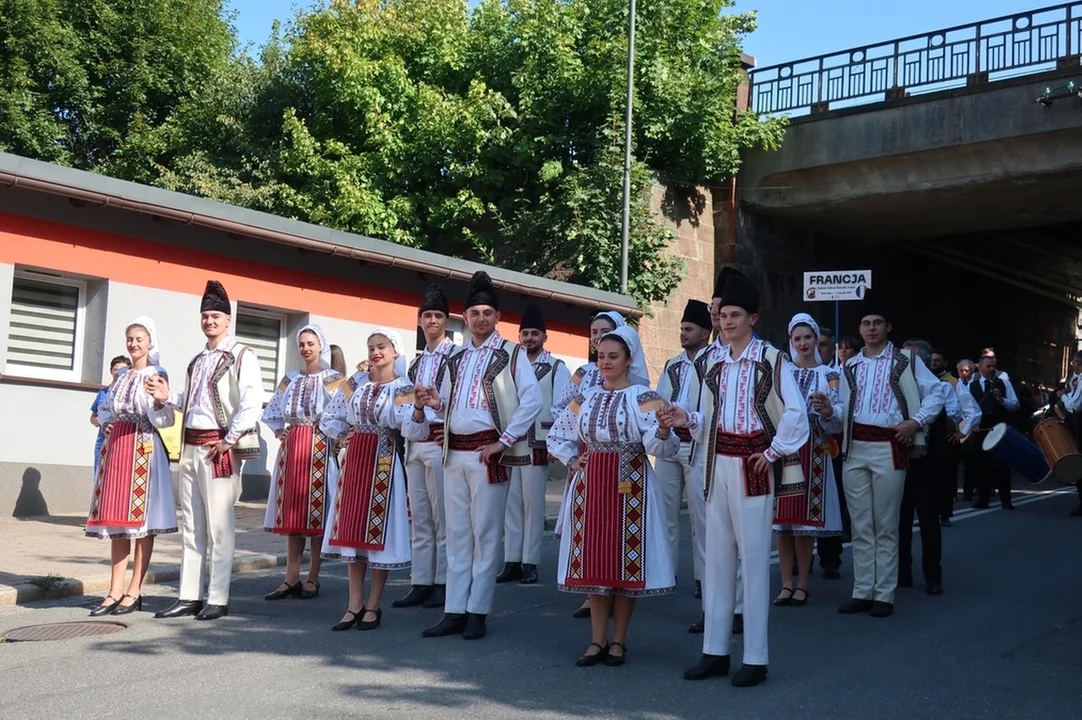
pixel 1025 43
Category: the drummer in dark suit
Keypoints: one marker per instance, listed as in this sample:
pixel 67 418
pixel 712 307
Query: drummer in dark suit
pixel 996 397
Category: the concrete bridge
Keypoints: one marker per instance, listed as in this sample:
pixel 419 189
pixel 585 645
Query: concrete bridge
pixel 951 162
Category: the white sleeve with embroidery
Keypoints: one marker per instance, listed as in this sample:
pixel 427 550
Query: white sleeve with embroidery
pixel 655 444
pixel 412 431
pixel 794 428
pixel 562 399
pixel 529 400
pixel 250 384
pixel 971 411
pixel 334 423
pixel 564 441
pixel 834 425
pixel 561 379
pixel 931 400
pixel 273 415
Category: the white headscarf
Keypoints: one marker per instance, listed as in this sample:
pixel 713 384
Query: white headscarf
pixel 638 373
pixel 804 319
pixel 147 324
pixel 324 346
pixel 396 342
pixel 616 318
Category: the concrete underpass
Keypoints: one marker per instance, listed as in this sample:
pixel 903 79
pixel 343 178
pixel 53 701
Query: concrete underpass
pixel 966 203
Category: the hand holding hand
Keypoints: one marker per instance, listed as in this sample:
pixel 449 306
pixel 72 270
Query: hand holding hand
pixel 157 388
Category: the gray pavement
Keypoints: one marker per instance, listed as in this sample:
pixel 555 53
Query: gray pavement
pixel 1004 641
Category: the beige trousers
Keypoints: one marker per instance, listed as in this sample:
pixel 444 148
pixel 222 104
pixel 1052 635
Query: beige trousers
pixel 207 525
pixel 873 491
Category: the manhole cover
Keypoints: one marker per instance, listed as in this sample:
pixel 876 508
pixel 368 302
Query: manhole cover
pixel 63 631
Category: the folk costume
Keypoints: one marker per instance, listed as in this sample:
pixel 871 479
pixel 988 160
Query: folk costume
pixel 818 510
pixel 133 485
pixel 748 404
pixel 489 394
pixel 616 539
pixel 424 470
pixel 879 393
pixel 306 466
pixel 368 521
pixel 679 383
pixel 222 400
pixel 524 525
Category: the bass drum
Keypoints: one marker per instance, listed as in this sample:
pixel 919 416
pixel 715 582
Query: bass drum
pixel 1011 448
pixel 1059 449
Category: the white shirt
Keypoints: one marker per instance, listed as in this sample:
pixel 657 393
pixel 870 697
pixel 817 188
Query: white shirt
pixel 736 404
pixel 426 368
pixel 1010 401
pixel 561 375
pixel 470 411
pixel 1072 394
pixel 200 414
pixel 970 410
pixel 876 404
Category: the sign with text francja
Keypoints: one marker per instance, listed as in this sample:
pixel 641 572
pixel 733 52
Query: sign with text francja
pixel 821 285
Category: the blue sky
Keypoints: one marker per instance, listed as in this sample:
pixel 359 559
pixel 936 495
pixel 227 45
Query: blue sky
pixel 788 29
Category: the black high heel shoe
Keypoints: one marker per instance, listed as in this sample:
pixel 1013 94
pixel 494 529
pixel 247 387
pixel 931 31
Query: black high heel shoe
pixel 348 624
pixel 106 608
pixel 129 609
pixel 372 624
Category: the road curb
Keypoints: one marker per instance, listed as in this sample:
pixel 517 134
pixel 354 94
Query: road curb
pixel 99 584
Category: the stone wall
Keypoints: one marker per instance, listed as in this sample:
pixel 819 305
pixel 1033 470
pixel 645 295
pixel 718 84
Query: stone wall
pixel 692 218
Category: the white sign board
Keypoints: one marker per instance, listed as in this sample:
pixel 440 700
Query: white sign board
pixel 820 285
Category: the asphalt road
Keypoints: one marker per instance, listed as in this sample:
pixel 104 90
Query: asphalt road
pixel 1004 641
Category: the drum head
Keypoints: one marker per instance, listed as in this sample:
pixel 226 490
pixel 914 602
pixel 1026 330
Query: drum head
pixel 994 436
pixel 1069 469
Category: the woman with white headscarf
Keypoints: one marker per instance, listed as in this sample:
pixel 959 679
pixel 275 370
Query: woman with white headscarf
pixel 814 510
pixel 133 487
pixel 306 464
pixel 368 522
pixel 589 376
pixel 618 547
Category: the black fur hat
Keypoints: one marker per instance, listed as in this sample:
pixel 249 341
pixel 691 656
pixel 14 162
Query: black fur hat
pixel 215 299
pixel 481 291
pixel 435 299
pixel 532 319
pixel 739 291
pixel 698 313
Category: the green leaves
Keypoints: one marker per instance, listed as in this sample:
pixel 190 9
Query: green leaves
pixel 494 134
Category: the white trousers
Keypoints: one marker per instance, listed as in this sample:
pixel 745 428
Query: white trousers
pixel 475 515
pixel 525 522
pixel 736 524
pixel 428 533
pixel 873 492
pixel 675 475
pixel 207 524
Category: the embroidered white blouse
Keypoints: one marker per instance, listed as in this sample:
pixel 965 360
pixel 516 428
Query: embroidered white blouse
pixel 610 416
pixel 372 405
pixel 302 401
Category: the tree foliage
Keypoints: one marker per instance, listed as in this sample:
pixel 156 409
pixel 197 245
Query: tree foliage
pixel 493 133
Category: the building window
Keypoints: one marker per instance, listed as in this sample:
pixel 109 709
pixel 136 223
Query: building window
pixel 456 330
pixel 45 336
pixel 263 332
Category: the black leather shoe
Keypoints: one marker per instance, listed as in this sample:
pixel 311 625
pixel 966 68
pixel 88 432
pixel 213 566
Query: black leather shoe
pixel 282 593
pixel 106 608
pixel 698 590
pixel 416 596
pixel 855 606
pixel 589 660
pixel 529 574
pixel 370 624
pixel 934 588
pixel 510 573
pixel 355 617
pixel 129 609
pixel 449 624
pixel 213 612
pixel 583 611
pixel 738 624
pixel 709 666
pixel 616 660
pixel 881 609
pixel 699 626
pixel 307 594
pixel 476 627
pixel 181 608
pixel 438 599
pixel 749 675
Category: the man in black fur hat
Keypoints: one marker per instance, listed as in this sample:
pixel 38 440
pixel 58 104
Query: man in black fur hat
pixel 424 462
pixel 751 417
pixel 489 398
pixel 222 403
pixel 679 382
pixel 525 523
pixel 890 397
